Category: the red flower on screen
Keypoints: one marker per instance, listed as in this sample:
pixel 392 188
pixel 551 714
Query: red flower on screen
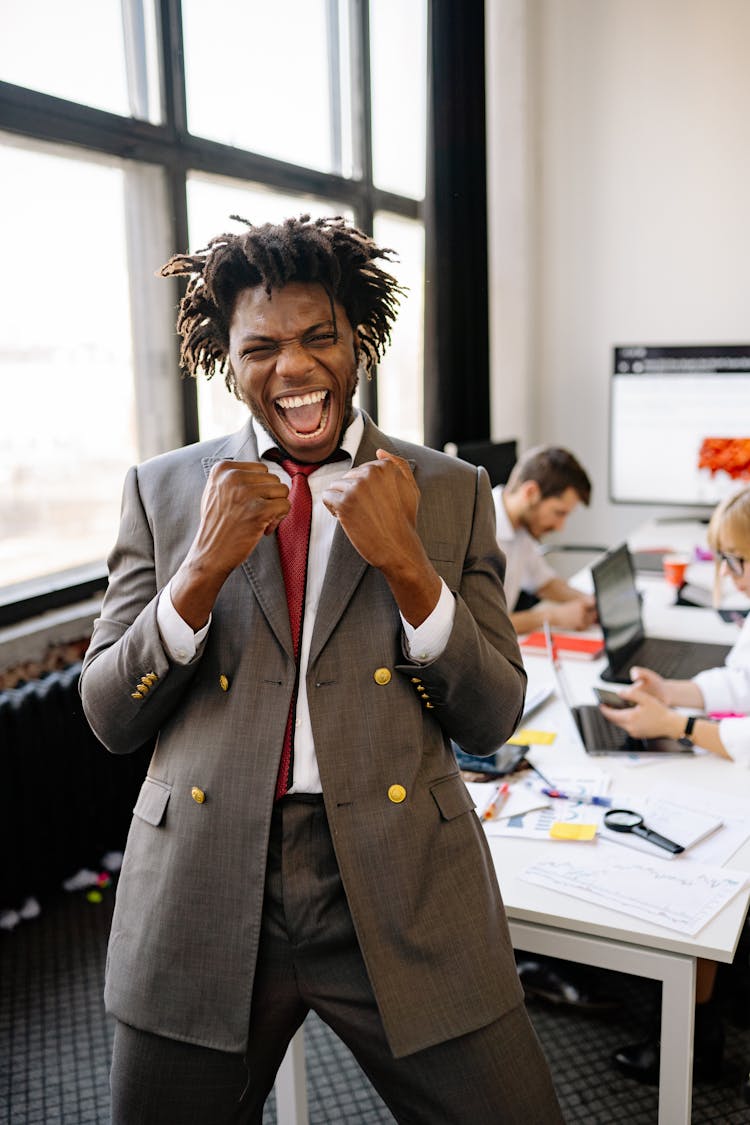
pixel 729 455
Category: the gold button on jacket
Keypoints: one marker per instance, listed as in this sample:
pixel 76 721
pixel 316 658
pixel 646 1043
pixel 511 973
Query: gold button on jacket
pixel 382 676
pixel 397 794
pixel 223 682
pixel 198 795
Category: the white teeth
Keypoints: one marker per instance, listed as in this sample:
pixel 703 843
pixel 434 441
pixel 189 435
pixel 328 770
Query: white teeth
pixel 301 400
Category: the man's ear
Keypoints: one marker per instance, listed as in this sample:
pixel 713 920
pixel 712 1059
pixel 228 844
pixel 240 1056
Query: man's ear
pixel 532 493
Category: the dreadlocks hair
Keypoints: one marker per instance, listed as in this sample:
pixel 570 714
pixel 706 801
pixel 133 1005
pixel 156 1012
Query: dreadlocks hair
pixel 326 250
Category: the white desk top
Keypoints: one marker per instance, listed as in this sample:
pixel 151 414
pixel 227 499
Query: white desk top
pixel 528 902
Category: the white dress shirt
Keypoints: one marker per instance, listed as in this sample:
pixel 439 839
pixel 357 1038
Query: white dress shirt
pixel 525 568
pixel 422 644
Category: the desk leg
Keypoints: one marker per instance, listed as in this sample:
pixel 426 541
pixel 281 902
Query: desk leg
pixel 677 1029
pixel 674 970
pixel 291 1087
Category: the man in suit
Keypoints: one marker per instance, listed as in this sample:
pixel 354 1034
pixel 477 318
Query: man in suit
pixel 303 839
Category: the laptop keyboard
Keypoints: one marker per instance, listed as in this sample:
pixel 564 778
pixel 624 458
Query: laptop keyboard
pixel 675 660
pixel 598 733
pixel 679 659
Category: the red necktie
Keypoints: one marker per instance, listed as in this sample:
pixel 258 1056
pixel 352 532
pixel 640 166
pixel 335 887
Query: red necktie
pixel 293 536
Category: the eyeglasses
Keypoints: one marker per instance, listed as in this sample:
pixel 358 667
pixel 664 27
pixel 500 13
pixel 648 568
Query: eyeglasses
pixel 735 563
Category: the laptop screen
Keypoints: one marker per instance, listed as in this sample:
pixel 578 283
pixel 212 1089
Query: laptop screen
pixel 617 600
pixel 560 682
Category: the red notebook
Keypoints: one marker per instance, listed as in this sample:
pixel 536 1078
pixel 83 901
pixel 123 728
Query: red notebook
pixel 581 648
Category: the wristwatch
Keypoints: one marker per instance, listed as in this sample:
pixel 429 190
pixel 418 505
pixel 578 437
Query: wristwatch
pixel 686 737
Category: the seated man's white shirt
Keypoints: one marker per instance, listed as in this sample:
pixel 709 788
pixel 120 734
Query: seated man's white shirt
pixel 422 644
pixel 525 568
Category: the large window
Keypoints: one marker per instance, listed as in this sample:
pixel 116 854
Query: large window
pixel 130 130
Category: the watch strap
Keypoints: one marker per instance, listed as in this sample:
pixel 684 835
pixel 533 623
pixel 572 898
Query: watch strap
pixel 687 734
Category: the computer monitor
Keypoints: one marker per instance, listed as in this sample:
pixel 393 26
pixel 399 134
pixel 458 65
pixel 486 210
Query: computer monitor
pixel 679 423
pixel 498 458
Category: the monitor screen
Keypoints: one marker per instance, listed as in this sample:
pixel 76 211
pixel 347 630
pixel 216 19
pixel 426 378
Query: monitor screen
pixel 679 423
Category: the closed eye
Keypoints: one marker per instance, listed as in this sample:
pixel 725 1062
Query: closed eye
pixel 259 351
pixel 320 340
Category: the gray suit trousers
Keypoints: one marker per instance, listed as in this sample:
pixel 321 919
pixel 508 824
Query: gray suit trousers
pixel 310 959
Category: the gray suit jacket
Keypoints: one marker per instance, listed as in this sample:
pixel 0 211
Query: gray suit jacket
pixel 418 875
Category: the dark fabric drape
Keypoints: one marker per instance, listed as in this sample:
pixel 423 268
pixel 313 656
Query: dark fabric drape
pixel 456 393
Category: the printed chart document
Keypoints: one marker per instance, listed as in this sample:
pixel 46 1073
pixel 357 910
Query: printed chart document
pixel 680 896
pixel 532 814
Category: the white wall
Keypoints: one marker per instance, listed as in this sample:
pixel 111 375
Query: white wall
pixel 619 188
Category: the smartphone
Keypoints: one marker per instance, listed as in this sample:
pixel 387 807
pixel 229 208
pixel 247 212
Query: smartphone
pixel 612 699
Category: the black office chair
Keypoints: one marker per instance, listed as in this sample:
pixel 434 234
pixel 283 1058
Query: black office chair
pixel 498 458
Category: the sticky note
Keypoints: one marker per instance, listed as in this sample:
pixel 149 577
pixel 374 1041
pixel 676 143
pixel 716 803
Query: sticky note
pixel 562 830
pixel 532 738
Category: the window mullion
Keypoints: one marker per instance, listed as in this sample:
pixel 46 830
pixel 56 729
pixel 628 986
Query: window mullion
pixel 136 66
pixel 334 85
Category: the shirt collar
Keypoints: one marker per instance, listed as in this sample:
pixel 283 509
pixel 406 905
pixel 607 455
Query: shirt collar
pixel 349 443
pixel 505 529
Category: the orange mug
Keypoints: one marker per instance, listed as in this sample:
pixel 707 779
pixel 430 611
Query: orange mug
pixel 675 568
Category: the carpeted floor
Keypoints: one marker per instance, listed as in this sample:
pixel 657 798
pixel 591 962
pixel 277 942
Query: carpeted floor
pixel 55 1040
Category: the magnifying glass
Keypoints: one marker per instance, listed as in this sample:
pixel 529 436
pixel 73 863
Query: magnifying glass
pixel 624 820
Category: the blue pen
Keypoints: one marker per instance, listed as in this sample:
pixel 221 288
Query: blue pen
pixel 604 802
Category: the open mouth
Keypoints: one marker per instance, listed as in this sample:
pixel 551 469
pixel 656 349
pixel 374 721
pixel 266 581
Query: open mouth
pixel 305 415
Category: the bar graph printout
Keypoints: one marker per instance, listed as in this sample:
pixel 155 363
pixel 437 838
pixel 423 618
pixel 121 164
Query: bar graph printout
pixel 680 896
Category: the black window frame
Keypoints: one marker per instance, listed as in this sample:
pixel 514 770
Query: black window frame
pixel 455 47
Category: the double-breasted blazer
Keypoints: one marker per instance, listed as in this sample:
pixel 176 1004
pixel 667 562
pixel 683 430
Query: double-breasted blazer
pixel 417 872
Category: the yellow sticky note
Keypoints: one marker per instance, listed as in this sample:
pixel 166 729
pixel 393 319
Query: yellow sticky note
pixel 532 738
pixel 562 830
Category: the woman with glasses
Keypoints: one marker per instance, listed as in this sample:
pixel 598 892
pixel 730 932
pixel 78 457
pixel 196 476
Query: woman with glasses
pixel 724 690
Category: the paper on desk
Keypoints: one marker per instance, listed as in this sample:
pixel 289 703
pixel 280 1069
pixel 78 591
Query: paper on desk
pixel 520 801
pixel 721 845
pixel 481 793
pixel 717 848
pixel 670 813
pixel 680 896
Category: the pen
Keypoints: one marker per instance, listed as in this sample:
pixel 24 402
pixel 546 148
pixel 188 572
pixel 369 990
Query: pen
pixel 539 773
pixel 497 802
pixel 605 802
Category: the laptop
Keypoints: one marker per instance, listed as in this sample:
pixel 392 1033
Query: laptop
pixel 618 605
pixel 597 734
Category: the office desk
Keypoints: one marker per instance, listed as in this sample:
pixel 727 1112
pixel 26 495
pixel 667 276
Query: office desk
pixel 551 923
pixel 556 924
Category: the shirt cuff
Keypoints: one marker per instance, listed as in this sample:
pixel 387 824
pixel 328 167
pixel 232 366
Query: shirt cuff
pixel 715 685
pixel 179 639
pixel 735 738
pixel 428 640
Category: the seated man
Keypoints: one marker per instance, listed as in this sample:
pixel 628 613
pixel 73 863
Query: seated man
pixel 545 486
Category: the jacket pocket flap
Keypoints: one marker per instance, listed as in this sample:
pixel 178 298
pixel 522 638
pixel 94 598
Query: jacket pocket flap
pixel 152 801
pixel 451 797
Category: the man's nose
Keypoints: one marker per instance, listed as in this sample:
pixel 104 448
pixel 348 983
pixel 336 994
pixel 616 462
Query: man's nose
pixel 293 360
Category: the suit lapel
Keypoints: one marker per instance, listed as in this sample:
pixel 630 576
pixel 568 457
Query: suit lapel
pixel 262 568
pixel 346 566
